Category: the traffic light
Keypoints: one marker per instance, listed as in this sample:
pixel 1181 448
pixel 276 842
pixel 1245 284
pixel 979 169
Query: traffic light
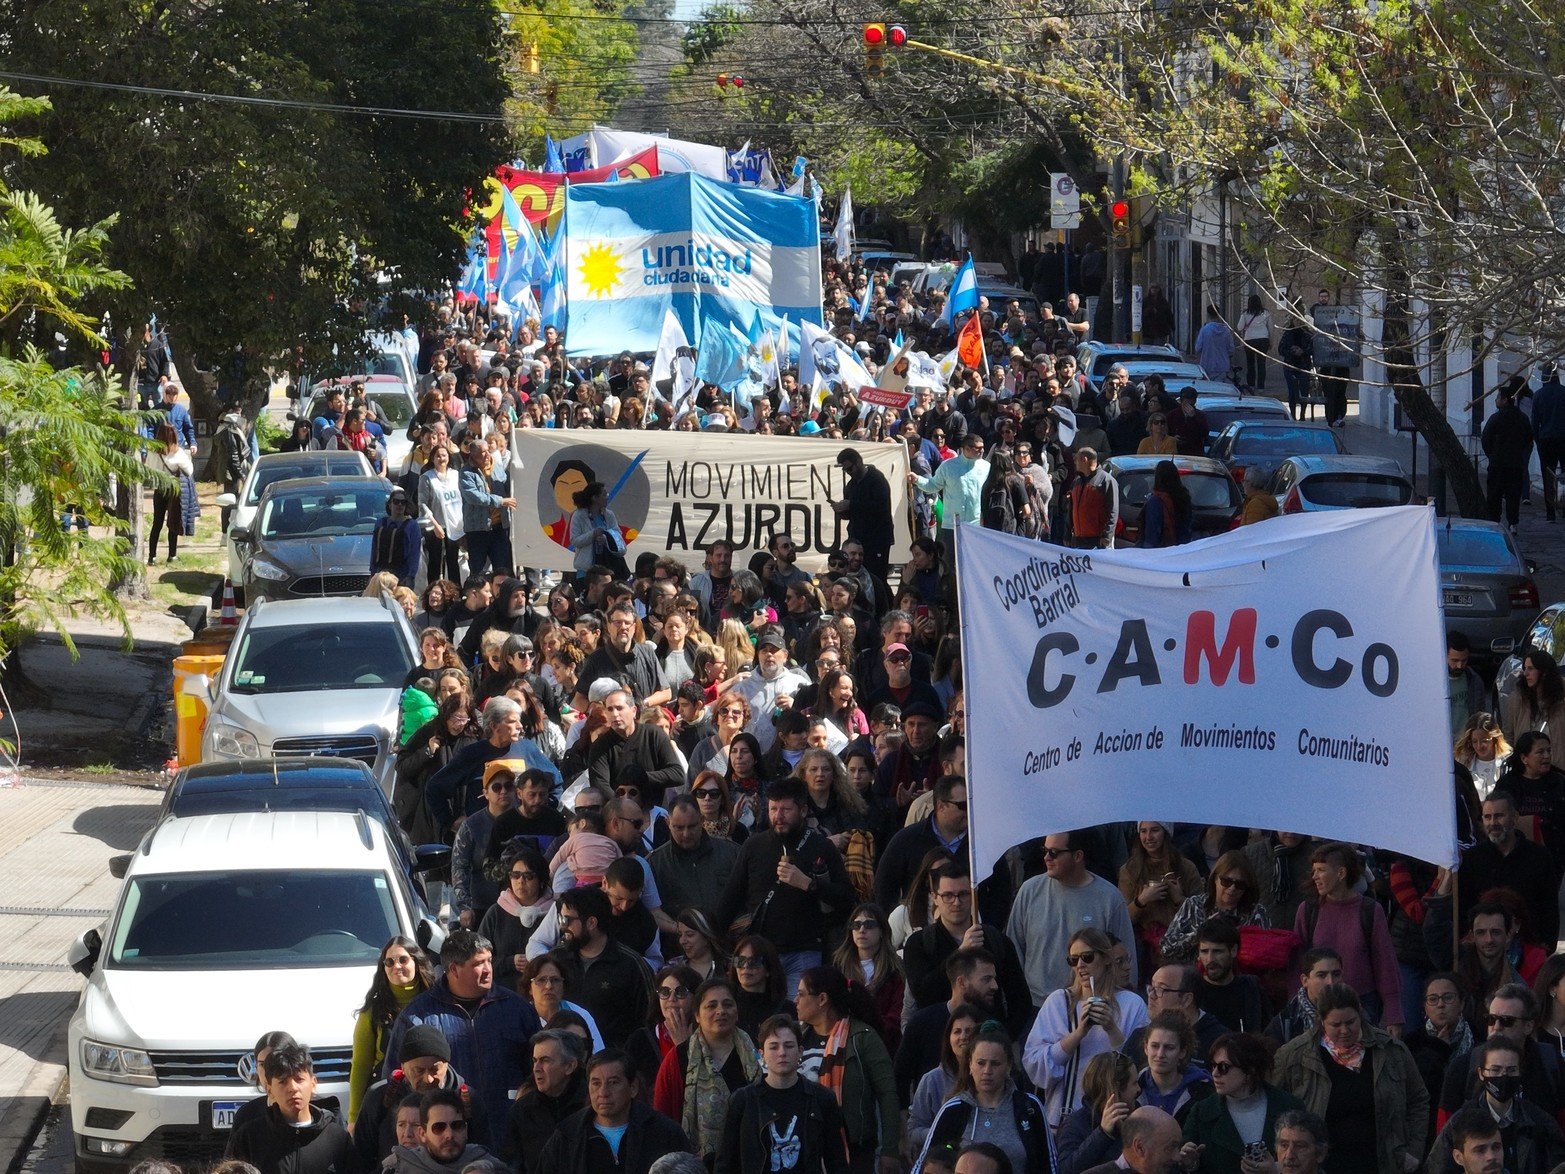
pixel 725 80
pixel 874 50
pixel 896 36
pixel 533 65
pixel 1119 221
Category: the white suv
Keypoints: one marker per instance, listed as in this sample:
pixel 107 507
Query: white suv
pixel 228 927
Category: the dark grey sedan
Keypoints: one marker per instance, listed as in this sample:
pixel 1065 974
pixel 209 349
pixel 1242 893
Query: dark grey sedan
pixel 311 536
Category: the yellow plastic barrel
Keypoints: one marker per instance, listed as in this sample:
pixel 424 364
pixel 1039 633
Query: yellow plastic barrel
pixel 190 707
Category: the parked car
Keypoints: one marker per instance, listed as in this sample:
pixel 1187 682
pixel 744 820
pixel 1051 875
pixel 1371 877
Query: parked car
pixel 394 405
pixel 227 926
pixel 1247 444
pixel 1306 484
pixel 1093 359
pixel 270 469
pixel 1222 410
pixel 310 677
pixel 1214 496
pixel 1000 294
pixel 1487 592
pixel 311 536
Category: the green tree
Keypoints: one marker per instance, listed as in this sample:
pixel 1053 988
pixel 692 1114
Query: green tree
pixel 63 433
pixel 260 224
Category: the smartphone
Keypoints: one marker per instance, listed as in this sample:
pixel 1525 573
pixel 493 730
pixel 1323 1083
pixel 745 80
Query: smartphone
pixel 1256 1151
pixel 921 611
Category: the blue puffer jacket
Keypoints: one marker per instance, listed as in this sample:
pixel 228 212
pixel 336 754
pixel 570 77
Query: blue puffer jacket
pixel 491 1046
pixel 478 498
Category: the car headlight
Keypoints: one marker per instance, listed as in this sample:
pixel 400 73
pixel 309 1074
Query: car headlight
pixel 121 1065
pixel 233 742
pixel 262 569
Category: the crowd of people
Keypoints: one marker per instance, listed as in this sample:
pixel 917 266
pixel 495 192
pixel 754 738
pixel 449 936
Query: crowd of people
pixel 710 897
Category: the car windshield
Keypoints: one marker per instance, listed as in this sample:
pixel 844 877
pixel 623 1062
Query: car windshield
pixel 324 656
pixel 346 464
pixel 263 919
pixel 1464 547
pixel 268 798
pixel 1283 442
pixel 391 404
pixel 323 512
pixel 1172 373
pixel 1356 490
pixel 1208 491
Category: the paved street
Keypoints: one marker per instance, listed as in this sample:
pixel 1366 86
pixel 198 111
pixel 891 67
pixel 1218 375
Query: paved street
pixel 56 839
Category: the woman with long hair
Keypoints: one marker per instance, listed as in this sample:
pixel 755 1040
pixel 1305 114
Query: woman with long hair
pixel 986 1105
pixel 434 649
pixel 168 457
pixel 543 984
pixel 854 1064
pixel 1090 1016
pixel 1538 701
pixel 917 905
pixel 426 751
pixel 1231 891
pixel 1004 497
pixel 562 606
pixel 1482 748
pixel 670 1020
pixel 866 957
pixel 439 498
pixel 402 972
pixel 701 945
pixel 1154 882
pixel 924 572
pixel 1089 1135
pixel 710 791
pixel 696 1079
pixel 834 807
pixel 738 649
pixel 934 1086
pixel 525 900
pixel 837 700
pixel 746 787
pixel 1167 516
pixel 435 604
pixel 760 984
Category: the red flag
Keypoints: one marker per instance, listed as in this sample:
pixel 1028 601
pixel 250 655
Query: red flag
pixel 970 342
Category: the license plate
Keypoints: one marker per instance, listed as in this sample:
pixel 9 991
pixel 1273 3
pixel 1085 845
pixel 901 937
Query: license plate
pixel 223 1113
pixel 1457 598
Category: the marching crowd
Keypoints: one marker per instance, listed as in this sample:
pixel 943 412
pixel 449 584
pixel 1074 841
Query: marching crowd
pixel 710 892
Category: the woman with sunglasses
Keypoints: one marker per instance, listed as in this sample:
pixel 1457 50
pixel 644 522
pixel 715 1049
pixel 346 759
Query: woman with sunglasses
pixel 1231 891
pixel 710 791
pixel 866 957
pixel 760 984
pixel 986 1105
pixel 1090 1016
pixel 729 714
pixel 670 1020
pixel 701 946
pixel 1222 1128
pixel 696 1079
pixel 934 1087
pixel 1158 442
pixel 472 892
pixel 522 906
pixel 402 973
pixel 846 1055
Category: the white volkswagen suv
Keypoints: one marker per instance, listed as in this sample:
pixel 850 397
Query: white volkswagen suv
pixel 227 927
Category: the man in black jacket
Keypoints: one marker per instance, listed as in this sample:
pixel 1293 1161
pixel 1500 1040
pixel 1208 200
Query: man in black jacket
pixel 423 1065
pixel 866 503
pixel 559 1089
pixel 945 828
pixel 615 983
pixel 620 658
pixel 627 746
pixel 294 1136
pixel 581 1145
pixel 791 882
pixel 1507 442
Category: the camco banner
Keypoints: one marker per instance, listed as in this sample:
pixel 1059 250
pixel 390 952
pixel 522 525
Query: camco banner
pixel 719 254
pixel 1289 675
pixel 676 493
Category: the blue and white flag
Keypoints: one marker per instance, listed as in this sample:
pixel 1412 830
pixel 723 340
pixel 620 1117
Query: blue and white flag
pixel 721 358
pixel 717 253
pixel 963 294
pixel 521 267
pixel 552 160
pixel 844 231
pixel 475 278
pixel 553 303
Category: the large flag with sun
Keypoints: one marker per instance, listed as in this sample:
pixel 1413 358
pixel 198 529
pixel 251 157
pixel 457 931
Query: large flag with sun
pixel 716 253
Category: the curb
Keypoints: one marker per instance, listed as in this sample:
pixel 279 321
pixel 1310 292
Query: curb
pixel 23 1124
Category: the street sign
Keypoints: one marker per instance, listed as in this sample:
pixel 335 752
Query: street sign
pixel 1064 201
pixel 1338 337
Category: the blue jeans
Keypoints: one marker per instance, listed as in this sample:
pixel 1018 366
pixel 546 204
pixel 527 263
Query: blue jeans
pixel 795 963
pixel 1298 385
pixel 488 548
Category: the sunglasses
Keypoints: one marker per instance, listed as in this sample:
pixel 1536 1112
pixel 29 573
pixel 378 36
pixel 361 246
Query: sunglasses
pixel 627 792
pixel 899 658
pixel 673 992
pixel 502 786
pixel 708 793
pixel 1223 1068
pixel 864 923
pixel 730 712
pixel 439 1127
pixel 1056 853
pixel 519 874
pixel 581 807
pixel 1085 958
pixel 959 805
pixel 1232 882
pixel 749 964
pixel 396 960
pixel 638 824
pixel 1505 1021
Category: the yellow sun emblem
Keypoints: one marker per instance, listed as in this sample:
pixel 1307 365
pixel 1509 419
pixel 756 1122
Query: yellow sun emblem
pixel 600 270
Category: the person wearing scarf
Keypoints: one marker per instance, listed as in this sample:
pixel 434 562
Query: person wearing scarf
pixel 1445 1038
pixel 853 1065
pixel 695 1080
pixel 525 900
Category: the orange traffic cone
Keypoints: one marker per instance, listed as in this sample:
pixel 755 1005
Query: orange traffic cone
pixel 229 617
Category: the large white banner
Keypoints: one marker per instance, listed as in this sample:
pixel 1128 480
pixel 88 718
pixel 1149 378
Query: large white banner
pixel 1287 675
pixel 676 493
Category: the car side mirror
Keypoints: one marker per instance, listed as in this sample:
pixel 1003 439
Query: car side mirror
pixel 240 533
pixel 227 501
pixel 1532 567
pixel 429 934
pixel 82 956
pixel 119 865
pixel 429 857
pixel 291 416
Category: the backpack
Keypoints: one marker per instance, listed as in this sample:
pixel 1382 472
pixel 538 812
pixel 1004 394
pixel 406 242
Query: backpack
pixel 233 449
pixel 999 509
pixel 1366 921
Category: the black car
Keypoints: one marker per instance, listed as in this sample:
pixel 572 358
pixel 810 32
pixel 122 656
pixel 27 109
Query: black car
pixel 1213 494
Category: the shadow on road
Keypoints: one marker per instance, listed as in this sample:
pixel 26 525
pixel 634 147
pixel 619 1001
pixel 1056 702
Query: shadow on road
pixel 120 826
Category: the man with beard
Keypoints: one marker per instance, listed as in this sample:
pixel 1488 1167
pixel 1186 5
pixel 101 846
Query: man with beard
pixel 1505 859
pixel 712 584
pixel 559 1089
pixel 784 568
pixel 425 1064
pixel 789 881
pixel 445 1128
pixel 614 983
pixel 769 689
pixel 511 611
pixel 620 658
pixel 975 981
pixel 866 503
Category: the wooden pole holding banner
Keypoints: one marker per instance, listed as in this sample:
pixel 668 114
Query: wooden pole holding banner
pixel 1456 924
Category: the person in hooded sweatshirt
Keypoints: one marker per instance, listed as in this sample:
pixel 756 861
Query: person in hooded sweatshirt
pixel 293 1136
pixel 423 1064
pixel 445 1149
pixel 511 611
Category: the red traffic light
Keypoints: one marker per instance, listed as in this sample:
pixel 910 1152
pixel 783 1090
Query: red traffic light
pixel 897 35
pixel 1119 210
pixel 874 34
pixel 737 82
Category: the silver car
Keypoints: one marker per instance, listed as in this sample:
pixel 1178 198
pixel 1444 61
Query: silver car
pixel 270 469
pixel 311 676
pixel 1305 485
pixel 312 536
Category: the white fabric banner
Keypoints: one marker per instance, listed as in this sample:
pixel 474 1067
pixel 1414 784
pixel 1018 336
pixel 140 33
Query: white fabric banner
pixel 1288 675
pixel 675 493
pixel 674 155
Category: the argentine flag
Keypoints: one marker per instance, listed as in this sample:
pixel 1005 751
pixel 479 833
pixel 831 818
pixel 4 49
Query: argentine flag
pixel 963 294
